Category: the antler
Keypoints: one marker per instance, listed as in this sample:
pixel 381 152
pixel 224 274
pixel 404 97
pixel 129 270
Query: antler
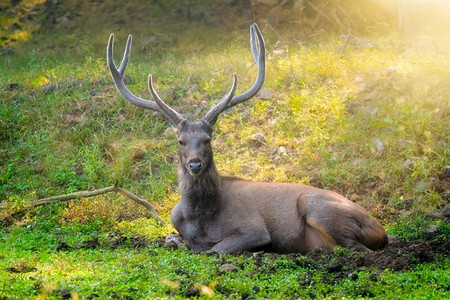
pixel 259 54
pixel 117 75
pixel 173 116
pixel 214 112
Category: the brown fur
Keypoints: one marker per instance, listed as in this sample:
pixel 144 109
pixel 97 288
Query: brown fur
pixel 228 214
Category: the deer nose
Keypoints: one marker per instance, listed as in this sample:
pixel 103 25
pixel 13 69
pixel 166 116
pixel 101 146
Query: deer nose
pixel 195 166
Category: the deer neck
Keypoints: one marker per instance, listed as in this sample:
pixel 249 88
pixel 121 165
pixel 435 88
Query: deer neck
pixel 202 192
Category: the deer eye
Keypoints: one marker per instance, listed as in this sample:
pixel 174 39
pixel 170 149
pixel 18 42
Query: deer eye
pixel 206 141
pixel 181 143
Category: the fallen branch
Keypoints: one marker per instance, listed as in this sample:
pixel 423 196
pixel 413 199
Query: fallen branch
pixel 84 194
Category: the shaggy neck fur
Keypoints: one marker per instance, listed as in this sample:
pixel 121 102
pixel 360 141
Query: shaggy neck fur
pixel 201 192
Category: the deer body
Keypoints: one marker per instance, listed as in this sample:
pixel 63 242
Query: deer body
pixel 278 217
pixel 228 214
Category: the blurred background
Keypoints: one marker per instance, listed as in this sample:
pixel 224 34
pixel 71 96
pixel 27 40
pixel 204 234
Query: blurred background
pixel 28 20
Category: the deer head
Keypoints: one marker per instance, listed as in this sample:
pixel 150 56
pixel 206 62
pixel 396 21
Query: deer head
pixel 194 138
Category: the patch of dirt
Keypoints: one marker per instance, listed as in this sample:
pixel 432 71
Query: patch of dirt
pixel 114 242
pixel 21 267
pixel 397 256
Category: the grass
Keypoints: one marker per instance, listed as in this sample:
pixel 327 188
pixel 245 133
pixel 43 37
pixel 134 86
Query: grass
pixel 327 111
pixel 155 271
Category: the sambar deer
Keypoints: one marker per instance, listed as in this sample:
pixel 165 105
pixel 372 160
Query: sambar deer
pixel 229 215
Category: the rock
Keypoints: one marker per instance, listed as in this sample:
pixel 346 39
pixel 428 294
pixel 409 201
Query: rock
pixel 446 172
pixel 266 94
pixel 192 291
pixel 446 211
pixel 257 140
pixel 65 294
pixel 357 161
pixel 228 268
pixel 421 185
pixel 334 267
pixel 379 146
pixel 280 52
pixel 373 277
pixel 47 89
pixel 11 86
pixel 281 151
pixel 62 246
pixel 406 165
pixel 175 241
pixel 432 230
pixel 6 51
pixel 353 276
pixel 360 84
pixel 369 110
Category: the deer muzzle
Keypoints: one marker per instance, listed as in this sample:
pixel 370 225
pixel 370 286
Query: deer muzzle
pixel 195 166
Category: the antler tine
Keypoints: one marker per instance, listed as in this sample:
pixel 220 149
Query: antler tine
pixel 126 56
pixel 173 116
pixel 215 111
pixel 117 75
pixel 256 41
pixel 253 47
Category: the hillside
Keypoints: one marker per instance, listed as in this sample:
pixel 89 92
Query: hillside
pixel 365 115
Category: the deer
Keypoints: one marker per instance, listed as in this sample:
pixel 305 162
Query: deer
pixel 224 214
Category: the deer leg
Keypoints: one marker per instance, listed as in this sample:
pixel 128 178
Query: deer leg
pixel 241 241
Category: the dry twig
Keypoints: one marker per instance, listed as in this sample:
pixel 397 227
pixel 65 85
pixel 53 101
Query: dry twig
pixel 83 194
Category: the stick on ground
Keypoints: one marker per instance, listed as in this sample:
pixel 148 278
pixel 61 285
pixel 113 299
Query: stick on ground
pixel 84 194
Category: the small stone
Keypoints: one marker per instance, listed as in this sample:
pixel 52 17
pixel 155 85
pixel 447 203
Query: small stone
pixel 432 230
pixel 227 268
pixel 369 110
pixel 192 291
pixel 406 165
pixel 11 86
pixel 446 172
pixel 62 246
pixel 421 185
pixel 357 161
pixel 334 267
pixel 257 139
pixel 281 151
pixel 6 51
pixel 266 94
pixel 65 294
pixel 47 89
pixel 280 52
pixel 379 146
pixel 174 241
pixel 373 277
pixel 446 211
pixel 358 79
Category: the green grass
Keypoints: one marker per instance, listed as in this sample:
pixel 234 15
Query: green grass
pixel 326 110
pixel 36 268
